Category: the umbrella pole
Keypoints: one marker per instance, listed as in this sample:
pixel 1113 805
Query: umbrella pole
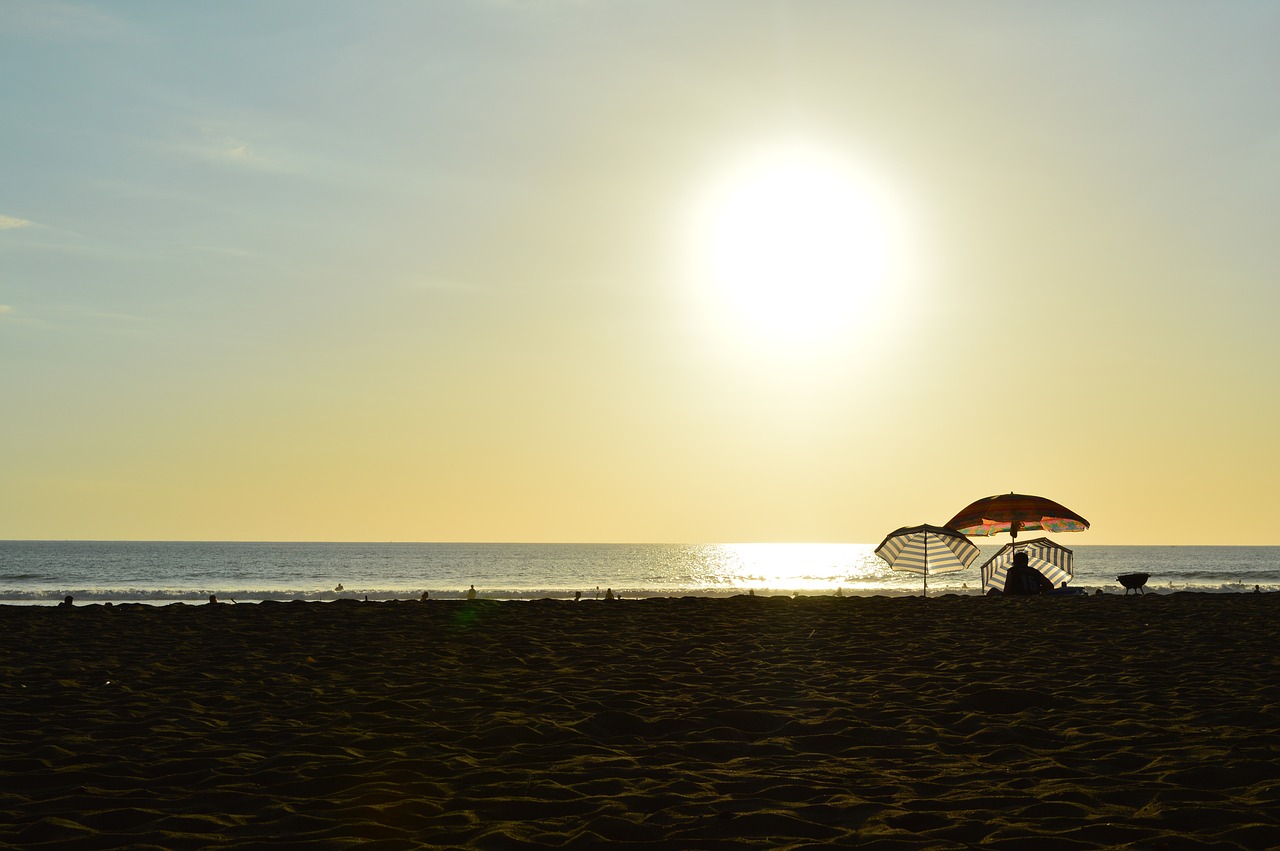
pixel 926 564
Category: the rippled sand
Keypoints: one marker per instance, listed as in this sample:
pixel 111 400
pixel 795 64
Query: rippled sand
pixel 665 723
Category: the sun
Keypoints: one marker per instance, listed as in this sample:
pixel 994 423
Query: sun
pixel 792 242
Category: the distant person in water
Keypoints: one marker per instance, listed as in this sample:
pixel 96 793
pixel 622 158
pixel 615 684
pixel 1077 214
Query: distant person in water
pixel 577 595
pixel 426 595
pixel 213 598
pixel 608 593
pixel 339 588
pixel 67 601
pixel 471 593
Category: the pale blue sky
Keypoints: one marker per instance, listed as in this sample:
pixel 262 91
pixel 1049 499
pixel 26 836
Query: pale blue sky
pixel 414 270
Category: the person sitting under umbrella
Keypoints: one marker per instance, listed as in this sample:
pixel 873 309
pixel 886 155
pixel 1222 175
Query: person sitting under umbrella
pixel 1023 579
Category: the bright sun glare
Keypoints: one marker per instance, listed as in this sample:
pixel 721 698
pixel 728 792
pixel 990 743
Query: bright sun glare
pixel 793 242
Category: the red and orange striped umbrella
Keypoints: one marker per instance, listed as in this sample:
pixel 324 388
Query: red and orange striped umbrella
pixel 1014 513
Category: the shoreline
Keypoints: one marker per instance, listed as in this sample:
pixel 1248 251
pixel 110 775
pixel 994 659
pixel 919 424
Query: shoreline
pixel 83 597
pixel 766 722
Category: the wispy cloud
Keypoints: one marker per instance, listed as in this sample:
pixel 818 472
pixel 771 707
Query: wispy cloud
pixel 211 142
pixel 251 140
pixel 535 5
pixel 109 316
pixel 11 222
pixel 219 146
pixel 224 251
pixel 443 284
pixel 59 21
pixel 77 318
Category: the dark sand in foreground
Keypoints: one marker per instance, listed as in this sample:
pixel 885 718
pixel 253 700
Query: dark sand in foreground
pixel 1146 722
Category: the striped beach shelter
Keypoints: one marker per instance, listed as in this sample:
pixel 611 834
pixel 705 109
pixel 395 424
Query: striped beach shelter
pixel 926 550
pixel 1049 557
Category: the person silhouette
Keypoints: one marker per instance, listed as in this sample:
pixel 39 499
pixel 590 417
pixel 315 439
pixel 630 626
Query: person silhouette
pixel 1023 579
pixel 471 593
pixel 608 593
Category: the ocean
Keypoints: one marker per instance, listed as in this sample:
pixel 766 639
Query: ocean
pixel 44 572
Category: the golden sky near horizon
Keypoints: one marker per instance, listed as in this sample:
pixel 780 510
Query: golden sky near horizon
pixel 660 271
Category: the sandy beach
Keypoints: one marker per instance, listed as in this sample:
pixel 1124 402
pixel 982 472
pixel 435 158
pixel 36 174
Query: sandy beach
pixel 1147 722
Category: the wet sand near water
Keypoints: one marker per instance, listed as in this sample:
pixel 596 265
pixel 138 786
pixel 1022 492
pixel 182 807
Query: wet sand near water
pixel 1146 722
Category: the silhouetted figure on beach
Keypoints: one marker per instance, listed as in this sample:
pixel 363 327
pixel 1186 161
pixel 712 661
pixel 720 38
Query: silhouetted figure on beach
pixel 339 588
pixel 1023 579
pixel 67 601
pixel 471 593
pixel 426 595
pixel 213 599
pixel 608 594
pixel 577 595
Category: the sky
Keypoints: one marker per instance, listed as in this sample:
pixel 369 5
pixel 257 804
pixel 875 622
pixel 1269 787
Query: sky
pixel 657 271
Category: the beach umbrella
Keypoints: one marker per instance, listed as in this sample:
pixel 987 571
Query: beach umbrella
pixel 926 550
pixel 1049 557
pixel 1014 513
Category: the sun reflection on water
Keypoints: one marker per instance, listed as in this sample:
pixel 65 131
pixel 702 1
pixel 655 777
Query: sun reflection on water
pixel 794 567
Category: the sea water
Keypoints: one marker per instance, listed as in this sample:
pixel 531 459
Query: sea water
pixel 43 572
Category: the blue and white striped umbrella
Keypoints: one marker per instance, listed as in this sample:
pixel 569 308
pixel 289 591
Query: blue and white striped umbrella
pixel 1052 560
pixel 927 550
